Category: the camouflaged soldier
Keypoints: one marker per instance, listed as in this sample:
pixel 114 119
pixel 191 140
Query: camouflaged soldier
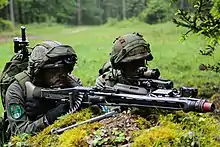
pixel 50 66
pixel 129 52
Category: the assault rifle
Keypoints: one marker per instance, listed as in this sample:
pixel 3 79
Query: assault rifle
pixel 122 95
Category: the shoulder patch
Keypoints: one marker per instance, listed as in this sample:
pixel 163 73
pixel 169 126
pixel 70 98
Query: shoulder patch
pixel 16 111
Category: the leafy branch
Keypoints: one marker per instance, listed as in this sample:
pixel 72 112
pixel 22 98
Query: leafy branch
pixel 204 20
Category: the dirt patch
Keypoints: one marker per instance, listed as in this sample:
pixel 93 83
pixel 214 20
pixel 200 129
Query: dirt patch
pixel 5 38
pixel 10 38
pixel 117 131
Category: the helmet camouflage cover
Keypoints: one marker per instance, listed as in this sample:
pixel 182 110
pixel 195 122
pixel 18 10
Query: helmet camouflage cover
pixel 51 54
pixel 130 47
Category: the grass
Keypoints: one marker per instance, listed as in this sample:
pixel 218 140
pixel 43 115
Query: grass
pixel 176 60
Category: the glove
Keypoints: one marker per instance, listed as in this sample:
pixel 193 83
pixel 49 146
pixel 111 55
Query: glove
pixel 56 112
pixel 37 106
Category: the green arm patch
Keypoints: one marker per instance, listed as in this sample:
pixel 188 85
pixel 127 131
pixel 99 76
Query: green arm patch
pixel 16 111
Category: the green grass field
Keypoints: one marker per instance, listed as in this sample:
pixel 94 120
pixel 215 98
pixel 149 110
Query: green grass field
pixel 176 60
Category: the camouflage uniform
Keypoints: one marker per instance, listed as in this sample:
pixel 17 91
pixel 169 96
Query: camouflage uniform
pixel 19 120
pixel 110 78
pixel 128 48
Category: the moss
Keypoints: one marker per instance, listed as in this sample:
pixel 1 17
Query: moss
pixel 181 129
pixel 143 123
pixel 19 140
pixel 171 129
pixel 164 135
pixel 216 100
pixel 203 127
pixel 77 137
pixel 44 138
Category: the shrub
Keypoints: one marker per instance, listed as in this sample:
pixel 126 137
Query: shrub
pixel 112 21
pixel 5 25
pixel 156 11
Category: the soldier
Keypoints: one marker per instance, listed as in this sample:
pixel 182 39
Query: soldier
pixel 129 53
pixel 50 66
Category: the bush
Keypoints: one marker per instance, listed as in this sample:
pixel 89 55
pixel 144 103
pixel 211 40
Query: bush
pixel 123 23
pixel 156 11
pixel 112 21
pixel 5 25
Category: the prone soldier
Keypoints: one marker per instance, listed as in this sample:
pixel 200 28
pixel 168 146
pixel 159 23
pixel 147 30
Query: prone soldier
pixel 129 53
pixel 49 66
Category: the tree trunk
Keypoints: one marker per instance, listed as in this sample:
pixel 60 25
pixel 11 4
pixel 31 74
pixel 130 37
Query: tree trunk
pixel 124 9
pixel 79 15
pixel 182 4
pixel 12 13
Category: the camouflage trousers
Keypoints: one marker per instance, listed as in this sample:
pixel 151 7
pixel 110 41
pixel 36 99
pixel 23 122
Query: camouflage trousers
pixel 1 132
pixel 4 136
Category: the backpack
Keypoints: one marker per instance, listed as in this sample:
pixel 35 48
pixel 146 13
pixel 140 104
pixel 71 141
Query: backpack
pixel 105 67
pixel 17 64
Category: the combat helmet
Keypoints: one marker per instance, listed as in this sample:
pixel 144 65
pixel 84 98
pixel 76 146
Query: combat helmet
pixel 51 54
pixel 128 48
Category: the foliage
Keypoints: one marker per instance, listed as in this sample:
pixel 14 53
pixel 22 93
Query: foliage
pixel 156 11
pixel 18 141
pixel 135 7
pixel 3 3
pixel 102 137
pixel 5 25
pixel 143 123
pixel 88 12
pixel 204 21
pixel 112 22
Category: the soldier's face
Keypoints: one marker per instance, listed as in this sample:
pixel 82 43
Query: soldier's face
pixel 130 68
pixel 56 77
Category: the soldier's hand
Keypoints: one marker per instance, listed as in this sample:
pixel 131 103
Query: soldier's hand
pixel 37 106
pixel 54 113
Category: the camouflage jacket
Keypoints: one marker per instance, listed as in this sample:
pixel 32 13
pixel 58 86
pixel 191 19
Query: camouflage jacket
pixel 19 122
pixel 110 78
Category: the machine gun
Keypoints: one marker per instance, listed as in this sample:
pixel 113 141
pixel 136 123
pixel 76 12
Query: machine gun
pixel 122 95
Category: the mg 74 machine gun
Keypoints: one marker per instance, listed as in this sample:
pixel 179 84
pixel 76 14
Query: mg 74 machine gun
pixel 123 95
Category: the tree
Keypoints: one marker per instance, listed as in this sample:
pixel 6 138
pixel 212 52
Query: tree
pixel 156 11
pixel 3 3
pixel 205 21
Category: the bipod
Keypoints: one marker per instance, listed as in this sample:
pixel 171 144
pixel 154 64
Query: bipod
pixel 114 111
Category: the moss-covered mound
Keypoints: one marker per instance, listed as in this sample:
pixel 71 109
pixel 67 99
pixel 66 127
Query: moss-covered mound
pixel 163 128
